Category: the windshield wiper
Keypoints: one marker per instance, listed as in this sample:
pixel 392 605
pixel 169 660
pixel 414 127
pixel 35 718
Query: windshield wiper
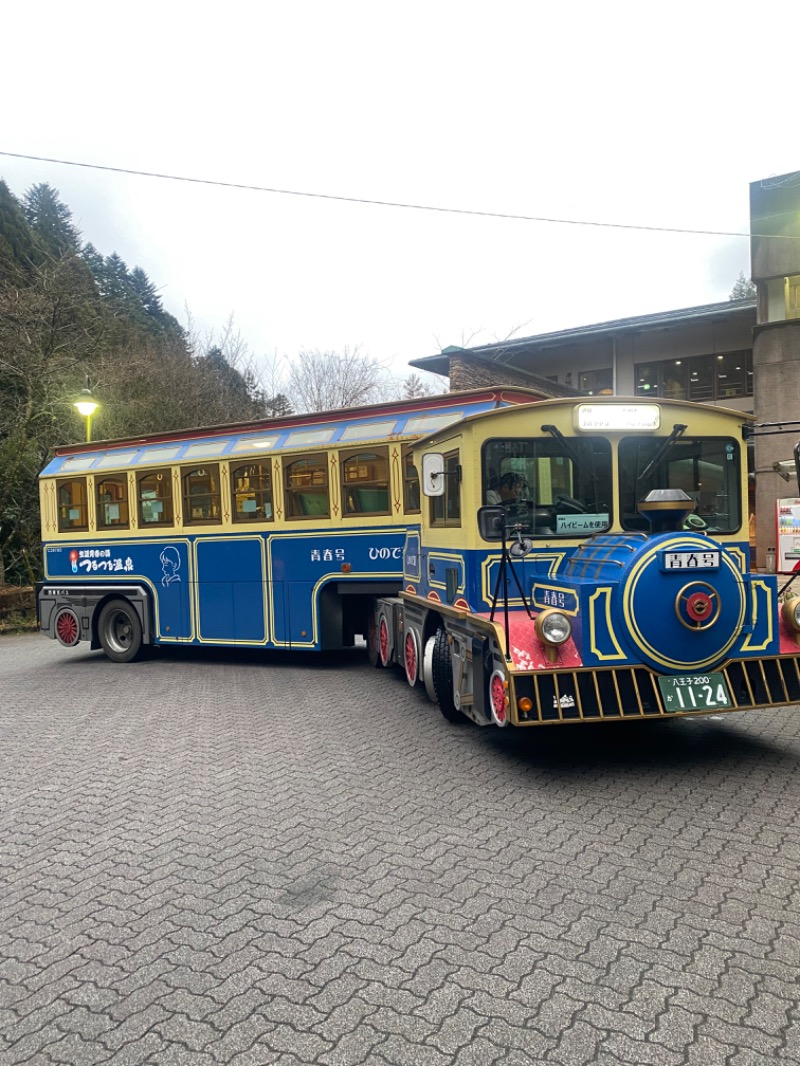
pixel 572 454
pixel 677 431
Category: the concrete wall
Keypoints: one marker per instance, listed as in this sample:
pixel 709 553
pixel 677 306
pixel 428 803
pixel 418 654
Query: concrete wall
pixel 774 217
pixel 776 371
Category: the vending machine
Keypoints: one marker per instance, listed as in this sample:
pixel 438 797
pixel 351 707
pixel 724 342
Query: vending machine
pixel 788 535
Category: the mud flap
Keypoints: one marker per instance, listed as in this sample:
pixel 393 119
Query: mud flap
pixel 481 672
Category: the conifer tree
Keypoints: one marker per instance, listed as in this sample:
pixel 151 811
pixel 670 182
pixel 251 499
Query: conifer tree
pixel 19 247
pixel 51 220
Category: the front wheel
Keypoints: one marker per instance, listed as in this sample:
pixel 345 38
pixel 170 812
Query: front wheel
pixel 443 678
pixel 120 631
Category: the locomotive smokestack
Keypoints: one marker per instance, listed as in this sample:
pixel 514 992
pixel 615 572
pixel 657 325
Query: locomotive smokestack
pixel 666 509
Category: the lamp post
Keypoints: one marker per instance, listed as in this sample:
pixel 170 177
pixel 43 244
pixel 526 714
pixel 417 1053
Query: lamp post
pixel 86 405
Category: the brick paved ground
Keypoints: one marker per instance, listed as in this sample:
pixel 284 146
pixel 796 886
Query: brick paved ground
pixel 210 860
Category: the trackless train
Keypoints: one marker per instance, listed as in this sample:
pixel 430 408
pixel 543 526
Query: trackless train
pixel 528 561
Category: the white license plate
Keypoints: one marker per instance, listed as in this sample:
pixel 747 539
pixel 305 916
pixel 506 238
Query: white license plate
pixel 691 560
pixel 706 692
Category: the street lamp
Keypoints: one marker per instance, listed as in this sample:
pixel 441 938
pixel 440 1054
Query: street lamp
pixel 86 405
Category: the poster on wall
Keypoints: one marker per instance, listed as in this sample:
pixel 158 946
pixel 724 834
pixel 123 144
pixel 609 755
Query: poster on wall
pixel 788 540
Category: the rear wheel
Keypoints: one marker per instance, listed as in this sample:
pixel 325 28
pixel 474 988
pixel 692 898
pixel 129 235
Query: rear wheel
pixel 411 657
pixel 67 627
pixel 443 678
pixel 379 647
pixel 120 631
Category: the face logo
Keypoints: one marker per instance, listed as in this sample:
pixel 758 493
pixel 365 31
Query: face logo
pixel 170 565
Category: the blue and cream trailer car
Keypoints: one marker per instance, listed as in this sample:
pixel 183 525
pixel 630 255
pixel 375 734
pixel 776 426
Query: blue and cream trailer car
pixel 275 534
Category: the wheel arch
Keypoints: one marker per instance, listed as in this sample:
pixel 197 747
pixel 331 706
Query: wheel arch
pixel 139 598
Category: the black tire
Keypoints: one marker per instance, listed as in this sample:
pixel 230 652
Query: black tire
pixel 120 631
pixel 443 679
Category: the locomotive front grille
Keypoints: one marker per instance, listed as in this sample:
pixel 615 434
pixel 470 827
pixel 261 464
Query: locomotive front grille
pixel 622 693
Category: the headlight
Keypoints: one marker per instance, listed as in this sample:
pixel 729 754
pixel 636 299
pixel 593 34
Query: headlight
pixel 791 612
pixel 553 627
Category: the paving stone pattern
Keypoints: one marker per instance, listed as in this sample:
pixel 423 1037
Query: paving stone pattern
pixel 213 858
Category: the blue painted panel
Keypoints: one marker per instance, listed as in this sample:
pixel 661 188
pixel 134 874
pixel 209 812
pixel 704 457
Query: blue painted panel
pixel 162 566
pixel 411 563
pixel 300 615
pixel 230 590
pixel 304 561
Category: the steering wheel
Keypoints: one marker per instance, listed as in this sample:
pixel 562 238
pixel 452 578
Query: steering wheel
pixel 568 504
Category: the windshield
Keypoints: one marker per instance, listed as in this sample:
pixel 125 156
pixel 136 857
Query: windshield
pixel 706 468
pixel 550 487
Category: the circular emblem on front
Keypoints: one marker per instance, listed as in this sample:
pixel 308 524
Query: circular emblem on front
pixel 678 621
pixel 697 605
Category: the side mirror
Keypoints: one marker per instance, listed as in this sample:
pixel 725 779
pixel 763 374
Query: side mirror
pixel 491 521
pixel 433 474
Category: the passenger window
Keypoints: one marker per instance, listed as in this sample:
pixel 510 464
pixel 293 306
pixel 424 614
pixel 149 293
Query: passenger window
pixel 154 490
pixel 111 498
pixel 201 497
pixel 365 482
pixel 73 510
pixel 411 495
pixel 306 487
pixel 251 489
pixel 446 509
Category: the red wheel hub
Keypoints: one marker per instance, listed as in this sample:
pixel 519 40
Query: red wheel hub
pixel 497 696
pixel 68 630
pixel 383 641
pixel 411 657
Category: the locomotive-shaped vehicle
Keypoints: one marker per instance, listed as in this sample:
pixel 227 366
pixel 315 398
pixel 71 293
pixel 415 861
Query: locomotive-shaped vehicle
pixel 527 561
pixel 614 583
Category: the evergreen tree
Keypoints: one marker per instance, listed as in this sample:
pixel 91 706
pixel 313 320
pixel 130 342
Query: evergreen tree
pixel 94 260
pixel 115 281
pixel 744 289
pixel 277 406
pixel 147 293
pixel 67 311
pixel 51 220
pixel 19 247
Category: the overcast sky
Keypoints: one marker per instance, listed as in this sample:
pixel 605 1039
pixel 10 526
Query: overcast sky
pixel 631 113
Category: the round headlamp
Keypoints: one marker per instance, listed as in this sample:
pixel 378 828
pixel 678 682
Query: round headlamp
pixel 553 627
pixel 791 612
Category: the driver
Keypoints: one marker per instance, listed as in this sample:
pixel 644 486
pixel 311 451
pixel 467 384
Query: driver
pixel 508 491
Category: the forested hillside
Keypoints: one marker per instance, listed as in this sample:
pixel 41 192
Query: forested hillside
pixel 68 312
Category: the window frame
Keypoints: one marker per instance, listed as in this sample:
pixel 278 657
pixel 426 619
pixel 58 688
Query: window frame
pixel 539 514
pixel 631 521
pixel 190 500
pixel 687 367
pixel 165 475
pixel 264 495
pixel 63 525
pixel 411 484
pixel 598 378
pixel 350 486
pixel 121 502
pixel 295 495
pixel 452 493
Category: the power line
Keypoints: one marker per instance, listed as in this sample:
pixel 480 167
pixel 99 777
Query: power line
pixel 390 203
